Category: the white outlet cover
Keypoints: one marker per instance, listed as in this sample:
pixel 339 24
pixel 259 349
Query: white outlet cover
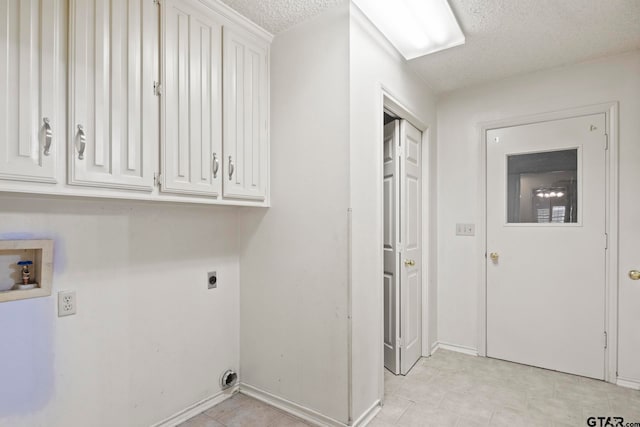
pixel 66 303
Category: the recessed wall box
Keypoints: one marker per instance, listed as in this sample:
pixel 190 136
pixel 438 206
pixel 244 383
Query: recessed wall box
pixel 26 269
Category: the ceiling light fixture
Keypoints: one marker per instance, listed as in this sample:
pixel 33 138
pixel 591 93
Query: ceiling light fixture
pixel 414 27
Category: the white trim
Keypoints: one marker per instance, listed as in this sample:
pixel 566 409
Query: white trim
pixel 197 408
pixel 628 383
pixel 368 415
pixel 454 347
pixel 610 109
pixel 307 414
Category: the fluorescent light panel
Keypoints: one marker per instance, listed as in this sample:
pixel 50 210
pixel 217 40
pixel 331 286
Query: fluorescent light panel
pixel 414 27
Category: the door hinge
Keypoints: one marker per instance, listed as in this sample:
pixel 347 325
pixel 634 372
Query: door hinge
pixel 606 240
pixel 606 141
pixel 156 179
pixel 606 339
pixel 157 88
pixel 156 2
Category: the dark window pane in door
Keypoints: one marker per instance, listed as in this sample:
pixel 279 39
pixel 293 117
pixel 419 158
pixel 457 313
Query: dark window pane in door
pixel 542 187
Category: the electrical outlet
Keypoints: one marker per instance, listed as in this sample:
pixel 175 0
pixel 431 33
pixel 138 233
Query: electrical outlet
pixel 66 303
pixel 212 280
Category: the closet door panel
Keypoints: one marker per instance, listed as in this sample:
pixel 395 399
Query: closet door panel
pixel 245 111
pixel 112 102
pixel 191 118
pixel 30 36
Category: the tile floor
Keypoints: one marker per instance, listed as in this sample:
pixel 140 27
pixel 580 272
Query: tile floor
pixel 243 411
pixel 454 390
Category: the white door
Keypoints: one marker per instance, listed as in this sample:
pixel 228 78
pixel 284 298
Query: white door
pixel 546 244
pixel 191 154
pixel 402 246
pixel 391 186
pixel 30 128
pixel 246 79
pixel 411 246
pixel 113 111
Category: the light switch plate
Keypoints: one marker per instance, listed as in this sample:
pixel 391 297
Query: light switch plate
pixel 465 229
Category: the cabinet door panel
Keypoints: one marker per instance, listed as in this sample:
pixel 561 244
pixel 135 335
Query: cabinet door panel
pixel 29 45
pixel 112 107
pixel 245 112
pixel 191 110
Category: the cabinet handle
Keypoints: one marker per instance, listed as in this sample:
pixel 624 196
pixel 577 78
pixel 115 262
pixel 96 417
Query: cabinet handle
pixel 48 136
pixel 83 142
pixel 216 165
pixel 230 168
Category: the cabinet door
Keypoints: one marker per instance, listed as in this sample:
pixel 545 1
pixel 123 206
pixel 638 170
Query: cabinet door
pixel 30 37
pixel 113 111
pixel 191 154
pixel 245 117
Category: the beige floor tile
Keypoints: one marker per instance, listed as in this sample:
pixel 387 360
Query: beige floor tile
pixel 393 408
pixel 201 421
pixel 235 403
pixel 255 415
pixel 420 416
pixel 468 405
pixel 379 423
pixel 288 421
pixel 422 372
pixel 556 409
pixel 468 422
pixel 508 417
pixel 420 391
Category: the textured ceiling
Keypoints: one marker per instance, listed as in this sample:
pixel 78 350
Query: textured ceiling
pixel 276 16
pixel 504 37
pixel 510 37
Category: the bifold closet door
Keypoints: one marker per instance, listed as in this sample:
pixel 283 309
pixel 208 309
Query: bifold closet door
pixel 30 127
pixel 191 155
pixel 113 110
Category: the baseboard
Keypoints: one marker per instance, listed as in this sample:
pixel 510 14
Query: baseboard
pixel 628 383
pixel 368 415
pixel 299 411
pixel 196 408
pixel 438 345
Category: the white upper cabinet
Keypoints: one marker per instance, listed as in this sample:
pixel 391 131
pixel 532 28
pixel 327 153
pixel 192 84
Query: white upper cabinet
pixel 246 91
pixel 29 119
pixel 134 99
pixel 191 141
pixel 113 111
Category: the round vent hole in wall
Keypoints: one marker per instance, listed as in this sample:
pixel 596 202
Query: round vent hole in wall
pixel 228 379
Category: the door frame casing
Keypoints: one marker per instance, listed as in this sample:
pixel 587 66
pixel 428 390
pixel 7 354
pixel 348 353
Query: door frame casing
pixel 388 101
pixel 610 109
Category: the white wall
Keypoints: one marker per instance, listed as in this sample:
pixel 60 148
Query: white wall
pixel 615 78
pixel 148 340
pixel 294 255
pixel 375 63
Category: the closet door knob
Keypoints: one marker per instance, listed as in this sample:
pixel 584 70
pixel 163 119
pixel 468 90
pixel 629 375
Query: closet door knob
pixel 634 275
